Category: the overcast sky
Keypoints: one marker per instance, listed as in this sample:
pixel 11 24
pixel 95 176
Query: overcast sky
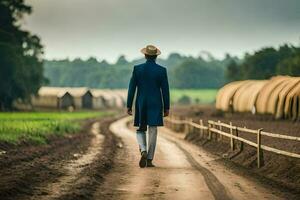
pixel 107 28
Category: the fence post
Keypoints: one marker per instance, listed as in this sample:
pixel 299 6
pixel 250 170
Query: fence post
pixel 191 127
pixel 220 128
pixel 259 148
pixel 214 133
pixel 231 139
pixel 181 126
pixel 186 130
pixel 176 125
pixel 209 131
pixel 237 134
pixel 201 129
pixel 172 122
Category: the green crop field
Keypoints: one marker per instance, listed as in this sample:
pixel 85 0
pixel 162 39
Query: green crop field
pixel 201 96
pixel 36 126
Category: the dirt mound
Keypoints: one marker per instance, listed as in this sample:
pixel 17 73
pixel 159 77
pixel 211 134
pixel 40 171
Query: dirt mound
pixel 93 176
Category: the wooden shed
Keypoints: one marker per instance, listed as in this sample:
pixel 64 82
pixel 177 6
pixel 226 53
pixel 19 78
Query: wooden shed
pixel 109 97
pixel 99 98
pixel 123 95
pixel 119 102
pixel 52 97
pixel 83 97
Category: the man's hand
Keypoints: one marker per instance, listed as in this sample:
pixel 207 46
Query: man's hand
pixel 129 111
pixel 166 113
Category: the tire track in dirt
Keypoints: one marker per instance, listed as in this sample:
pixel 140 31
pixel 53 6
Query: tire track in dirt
pixel 33 170
pixel 217 189
pixel 238 186
pixel 173 178
pixel 182 171
pixel 73 168
pixel 29 166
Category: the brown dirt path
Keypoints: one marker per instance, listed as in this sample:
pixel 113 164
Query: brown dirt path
pixel 183 172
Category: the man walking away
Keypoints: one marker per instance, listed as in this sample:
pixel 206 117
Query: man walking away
pixel 152 102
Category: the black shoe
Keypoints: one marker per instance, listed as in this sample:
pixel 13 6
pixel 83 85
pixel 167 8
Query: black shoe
pixel 149 163
pixel 143 161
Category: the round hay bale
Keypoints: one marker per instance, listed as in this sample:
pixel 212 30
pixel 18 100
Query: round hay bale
pixel 264 95
pixel 224 99
pixel 282 97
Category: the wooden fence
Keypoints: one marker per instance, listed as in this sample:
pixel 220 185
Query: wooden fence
pixel 217 127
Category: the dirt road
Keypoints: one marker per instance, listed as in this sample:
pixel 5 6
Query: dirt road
pixel 101 162
pixel 183 171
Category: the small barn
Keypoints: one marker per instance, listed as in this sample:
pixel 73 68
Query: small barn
pixel 99 98
pixel 108 96
pixel 123 95
pixel 119 102
pixel 83 98
pixel 52 97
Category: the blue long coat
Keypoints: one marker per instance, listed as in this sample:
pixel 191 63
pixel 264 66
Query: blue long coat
pixel 153 95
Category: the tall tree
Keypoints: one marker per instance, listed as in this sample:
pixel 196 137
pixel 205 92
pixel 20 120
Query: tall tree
pixel 290 66
pixel 265 63
pixel 233 72
pixel 197 73
pixel 21 67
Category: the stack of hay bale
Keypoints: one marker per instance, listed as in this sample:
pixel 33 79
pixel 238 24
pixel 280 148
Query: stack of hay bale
pixel 278 96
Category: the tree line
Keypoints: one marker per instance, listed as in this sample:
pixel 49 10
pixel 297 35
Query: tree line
pixel 265 63
pixel 183 71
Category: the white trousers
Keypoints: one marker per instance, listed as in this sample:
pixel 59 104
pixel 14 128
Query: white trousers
pixel 152 137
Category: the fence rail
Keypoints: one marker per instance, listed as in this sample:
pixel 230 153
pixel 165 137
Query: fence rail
pixel 217 128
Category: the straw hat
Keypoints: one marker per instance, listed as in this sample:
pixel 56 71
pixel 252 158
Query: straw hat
pixel 150 50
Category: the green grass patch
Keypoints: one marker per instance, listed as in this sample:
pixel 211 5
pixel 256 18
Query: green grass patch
pixel 36 126
pixel 201 96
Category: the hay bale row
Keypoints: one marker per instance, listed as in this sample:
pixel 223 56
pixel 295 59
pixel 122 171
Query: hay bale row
pixel 225 95
pixel 78 98
pixel 278 96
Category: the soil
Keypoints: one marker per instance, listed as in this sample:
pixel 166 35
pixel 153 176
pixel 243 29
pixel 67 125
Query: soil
pixel 280 171
pixel 101 162
pixel 183 171
pixel 31 171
